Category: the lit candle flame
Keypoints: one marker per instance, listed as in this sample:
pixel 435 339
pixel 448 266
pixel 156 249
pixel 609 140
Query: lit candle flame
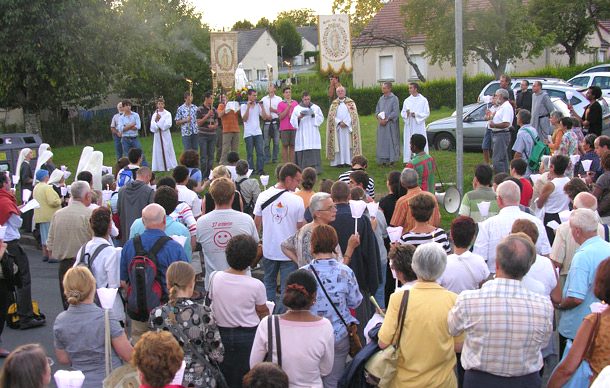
pixel 188 80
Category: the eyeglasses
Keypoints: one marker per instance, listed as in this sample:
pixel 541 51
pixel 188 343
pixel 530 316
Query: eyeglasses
pixel 333 207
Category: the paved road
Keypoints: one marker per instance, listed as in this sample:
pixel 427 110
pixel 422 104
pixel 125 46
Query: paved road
pixel 45 289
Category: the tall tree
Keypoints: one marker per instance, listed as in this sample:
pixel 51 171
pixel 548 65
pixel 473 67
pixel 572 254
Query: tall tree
pixel 54 53
pixel 496 32
pixel 572 23
pixel 242 25
pixel 300 17
pixel 360 12
pixel 289 40
pixel 263 23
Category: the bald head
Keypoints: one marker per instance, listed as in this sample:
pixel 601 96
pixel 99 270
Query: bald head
pixel 585 200
pixel 153 216
pixel 509 193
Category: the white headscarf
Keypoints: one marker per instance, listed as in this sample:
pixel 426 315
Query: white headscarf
pixel 84 158
pixel 42 159
pixel 56 177
pixel 22 156
pixel 94 166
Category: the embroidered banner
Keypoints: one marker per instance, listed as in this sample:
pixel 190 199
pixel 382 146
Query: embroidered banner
pixel 335 43
pixel 223 46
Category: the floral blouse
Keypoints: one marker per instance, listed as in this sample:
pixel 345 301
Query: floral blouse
pixel 193 322
pixel 568 145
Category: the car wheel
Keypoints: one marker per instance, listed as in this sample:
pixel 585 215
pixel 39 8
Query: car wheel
pixel 444 141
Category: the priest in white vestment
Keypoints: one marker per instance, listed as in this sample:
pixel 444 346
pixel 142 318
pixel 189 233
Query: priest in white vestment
pixel 164 157
pixel 307 118
pixel 415 111
pixel 342 131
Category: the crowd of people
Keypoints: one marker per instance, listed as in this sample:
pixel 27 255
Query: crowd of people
pixel 521 276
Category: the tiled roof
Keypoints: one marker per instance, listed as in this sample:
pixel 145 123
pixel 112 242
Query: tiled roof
pixel 309 33
pixel 388 22
pixel 246 39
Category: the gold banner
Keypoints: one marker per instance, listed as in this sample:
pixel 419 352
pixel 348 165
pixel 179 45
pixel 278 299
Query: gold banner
pixel 335 43
pixel 223 46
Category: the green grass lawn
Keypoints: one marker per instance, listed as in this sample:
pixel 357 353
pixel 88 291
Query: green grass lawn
pixel 446 161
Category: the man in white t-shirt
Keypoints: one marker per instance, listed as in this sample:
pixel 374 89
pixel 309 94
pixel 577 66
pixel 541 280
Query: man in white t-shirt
pixel 251 113
pixel 186 195
pixel 500 126
pixel 271 124
pixel 465 270
pixel 279 214
pixel 215 229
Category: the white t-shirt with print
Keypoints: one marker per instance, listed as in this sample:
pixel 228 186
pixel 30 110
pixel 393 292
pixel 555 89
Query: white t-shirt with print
pixel 280 220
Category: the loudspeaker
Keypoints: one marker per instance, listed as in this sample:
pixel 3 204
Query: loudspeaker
pixel 450 199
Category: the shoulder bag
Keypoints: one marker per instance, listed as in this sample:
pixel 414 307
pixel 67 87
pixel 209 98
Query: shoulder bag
pixel 380 369
pixel 355 345
pixel 273 320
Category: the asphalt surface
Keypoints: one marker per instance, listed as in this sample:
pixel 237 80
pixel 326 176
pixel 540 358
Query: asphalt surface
pixel 45 290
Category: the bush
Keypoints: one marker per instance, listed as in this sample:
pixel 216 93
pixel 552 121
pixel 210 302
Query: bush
pixel 563 72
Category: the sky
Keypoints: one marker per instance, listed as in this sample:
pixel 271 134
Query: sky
pixel 218 14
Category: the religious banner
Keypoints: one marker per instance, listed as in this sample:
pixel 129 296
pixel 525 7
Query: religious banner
pixel 335 44
pixel 223 46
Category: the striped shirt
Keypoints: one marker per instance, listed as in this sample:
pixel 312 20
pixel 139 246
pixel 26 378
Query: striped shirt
pixel 438 235
pixel 370 188
pixel 424 165
pixel 506 326
pixel 184 215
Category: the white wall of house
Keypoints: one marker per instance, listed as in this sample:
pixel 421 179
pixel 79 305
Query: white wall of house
pixel 299 60
pixel 262 53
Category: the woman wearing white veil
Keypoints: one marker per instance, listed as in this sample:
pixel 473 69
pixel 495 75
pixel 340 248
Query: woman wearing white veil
pixel 94 166
pixel 25 155
pixel 48 165
pixel 84 158
pixel 43 158
pixel 26 178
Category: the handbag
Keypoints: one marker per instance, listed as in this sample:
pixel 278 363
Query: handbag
pixel 380 369
pixel 355 345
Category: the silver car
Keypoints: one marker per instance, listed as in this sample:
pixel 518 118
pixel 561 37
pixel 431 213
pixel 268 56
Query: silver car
pixel 441 133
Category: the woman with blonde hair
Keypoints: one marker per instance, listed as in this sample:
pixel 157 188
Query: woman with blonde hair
pixel 79 331
pixel 193 325
pixel 26 367
pixel 208 202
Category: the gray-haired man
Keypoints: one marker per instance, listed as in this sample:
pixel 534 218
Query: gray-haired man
pixel 500 126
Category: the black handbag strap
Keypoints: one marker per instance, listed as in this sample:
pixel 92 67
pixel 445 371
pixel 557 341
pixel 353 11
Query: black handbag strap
pixel 274 320
pixel 328 297
pixel 402 313
pixel 270 200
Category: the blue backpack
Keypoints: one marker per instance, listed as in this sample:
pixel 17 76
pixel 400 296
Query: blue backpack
pixel 126 175
pixel 145 290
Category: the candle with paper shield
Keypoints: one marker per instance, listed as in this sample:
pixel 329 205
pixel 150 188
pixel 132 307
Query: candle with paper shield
pixel 26 194
pixel 381 115
pixel 357 208
pixel 484 208
pixel 394 233
pixel 372 208
pixel 586 165
pixel 107 297
pixel 69 379
pixel 574 159
pixel 569 95
pixel 264 180
pixel 15 180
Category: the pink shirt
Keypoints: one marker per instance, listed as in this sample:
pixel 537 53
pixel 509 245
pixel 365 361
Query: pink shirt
pixel 285 122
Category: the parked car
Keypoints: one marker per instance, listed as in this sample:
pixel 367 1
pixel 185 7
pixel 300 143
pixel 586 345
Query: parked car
pixel 441 133
pixel 584 80
pixel 604 67
pixel 515 83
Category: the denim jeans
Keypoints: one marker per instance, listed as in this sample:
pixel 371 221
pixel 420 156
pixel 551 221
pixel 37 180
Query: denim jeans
pixel 190 142
pixel 237 342
pixel 272 268
pixel 271 126
pixel 341 352
pixel 207 145
pixel 133 142
pixel 255 142
pixel 118 146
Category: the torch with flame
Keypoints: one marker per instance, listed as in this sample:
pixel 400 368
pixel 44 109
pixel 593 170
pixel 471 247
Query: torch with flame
pixel 190 82
pixel 289 80
pixel 214 80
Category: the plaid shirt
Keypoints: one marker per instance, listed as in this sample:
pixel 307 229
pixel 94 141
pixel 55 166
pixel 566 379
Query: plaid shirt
pixel 506 326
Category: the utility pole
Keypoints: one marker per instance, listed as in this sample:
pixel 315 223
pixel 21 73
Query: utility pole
pixel 459 96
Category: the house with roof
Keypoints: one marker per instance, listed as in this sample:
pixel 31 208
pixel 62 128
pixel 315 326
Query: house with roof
pixel 378 54
pixel 310 42
pixel 255 50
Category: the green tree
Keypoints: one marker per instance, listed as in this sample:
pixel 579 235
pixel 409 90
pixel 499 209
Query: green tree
pixel 242 25
pixel 167 43
pixel 263 23
pixel 300 17
pixel 497 33
pixel 54 53
pixel 360 12
pixel 572 23
pixel 288 39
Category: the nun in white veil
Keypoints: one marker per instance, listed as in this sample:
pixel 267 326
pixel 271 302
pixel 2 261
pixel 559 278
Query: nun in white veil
pixel 94 166
pixel 84 158
pixel 47 165
pixel 43 158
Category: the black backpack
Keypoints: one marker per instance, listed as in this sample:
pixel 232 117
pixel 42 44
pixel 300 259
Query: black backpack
pixel 249 206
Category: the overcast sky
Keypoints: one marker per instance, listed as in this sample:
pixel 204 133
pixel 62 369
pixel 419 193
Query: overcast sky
pixel 218 13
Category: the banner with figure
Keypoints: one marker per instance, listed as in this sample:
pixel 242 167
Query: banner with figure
pixel 335 43
pixel 223 46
